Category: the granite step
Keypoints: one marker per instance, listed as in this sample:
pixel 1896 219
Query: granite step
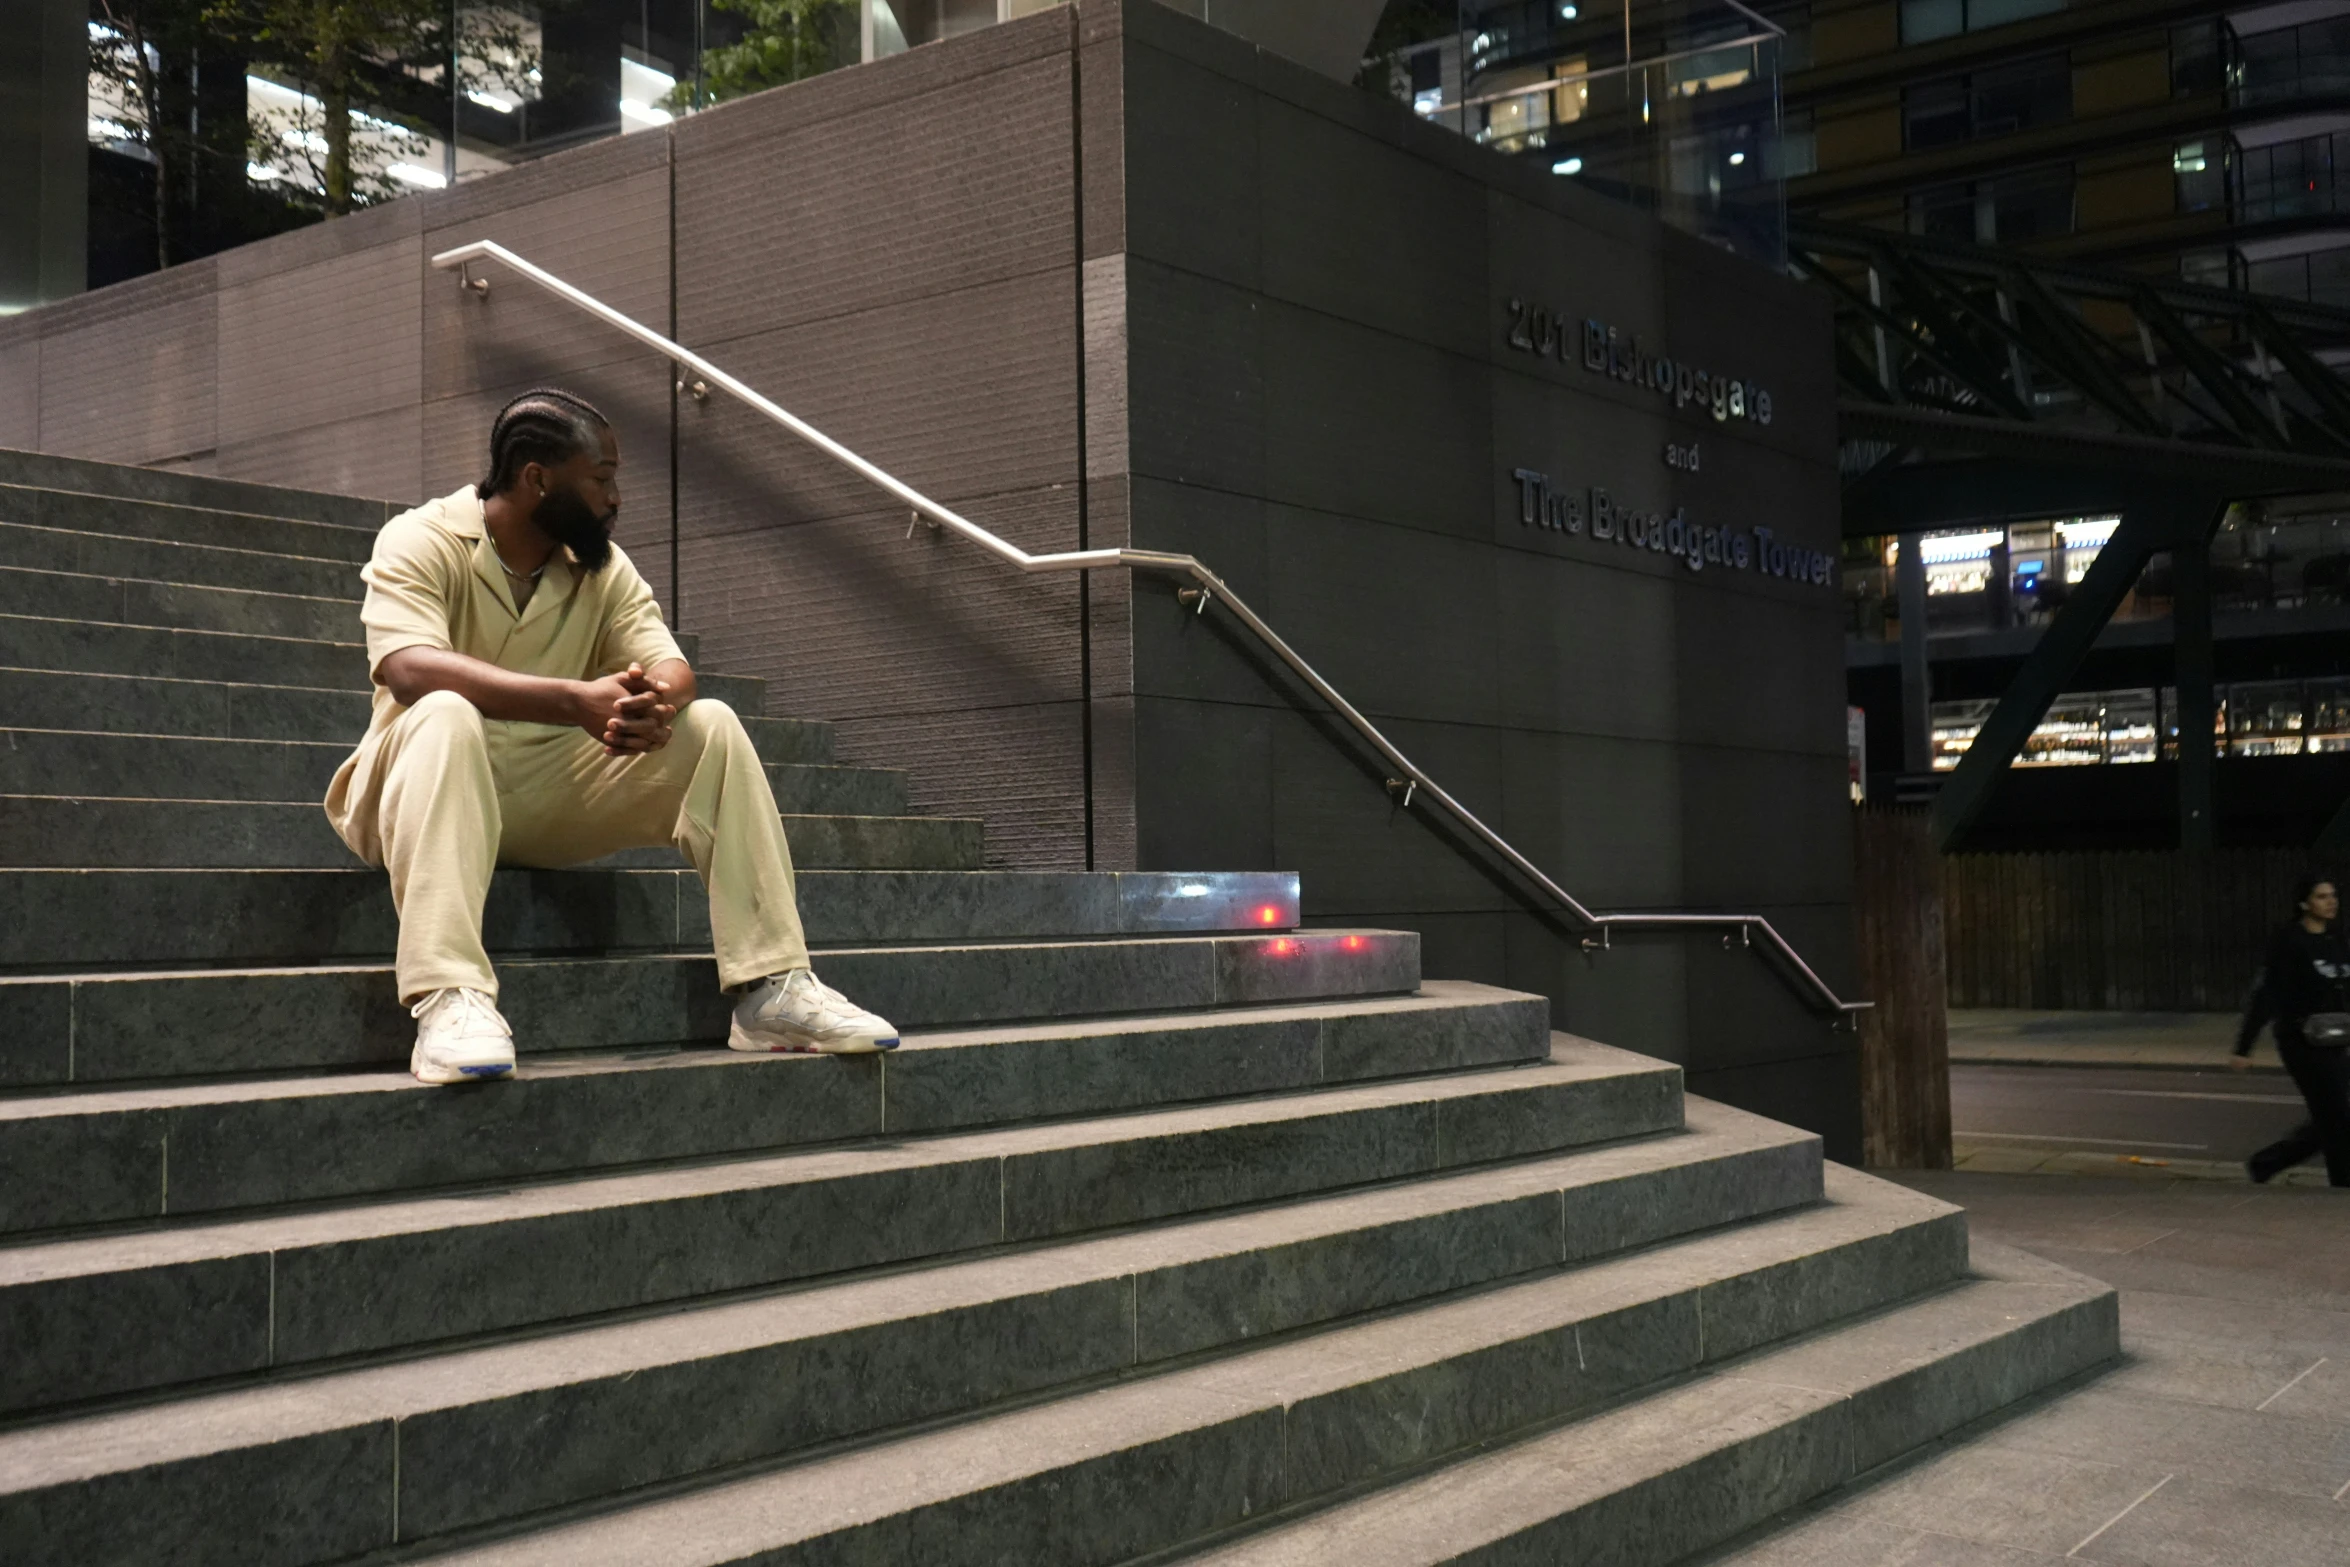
pixel 143 1309
pixel 1659 1480
pixel 183 524
pixel 680 1395
pixel 110 555
pixel 1085 1478
pixel 117 481
pixel 81 647
pixel 111 1155
pixel 118 1027
pixel 81 919
pixel 133 601
pixel 43 640
pixel 157 705
pixel 96 764
pixel 28 593
pixel 44 832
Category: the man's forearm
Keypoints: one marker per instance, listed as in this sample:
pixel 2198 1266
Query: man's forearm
pixel 678 675
pixel 412 673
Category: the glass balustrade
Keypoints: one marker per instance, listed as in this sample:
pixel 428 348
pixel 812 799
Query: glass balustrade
pixel 1669 105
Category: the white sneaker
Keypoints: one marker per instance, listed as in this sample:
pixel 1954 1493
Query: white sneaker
pixel 798 1012
pixel 460 1038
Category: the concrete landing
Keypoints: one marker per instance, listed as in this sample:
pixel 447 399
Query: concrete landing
pixel 2222 1437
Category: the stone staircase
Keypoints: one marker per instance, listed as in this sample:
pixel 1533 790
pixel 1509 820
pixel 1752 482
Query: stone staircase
pixel 1174 1231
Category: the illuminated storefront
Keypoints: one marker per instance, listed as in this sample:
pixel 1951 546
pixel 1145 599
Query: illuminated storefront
pixel 2095 728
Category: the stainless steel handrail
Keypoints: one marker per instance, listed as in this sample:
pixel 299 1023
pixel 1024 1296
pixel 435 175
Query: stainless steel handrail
pixel 1212 588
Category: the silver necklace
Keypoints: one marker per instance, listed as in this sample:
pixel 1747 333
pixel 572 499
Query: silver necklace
pixel 517 575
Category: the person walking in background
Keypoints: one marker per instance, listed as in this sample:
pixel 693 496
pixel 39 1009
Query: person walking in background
pixel 2303 993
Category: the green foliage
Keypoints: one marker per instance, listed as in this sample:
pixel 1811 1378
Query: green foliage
pixel 352 60
pixel 329 48
pixel 782 41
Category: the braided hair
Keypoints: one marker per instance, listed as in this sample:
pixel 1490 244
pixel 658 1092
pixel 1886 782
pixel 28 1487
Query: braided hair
pixel 543 425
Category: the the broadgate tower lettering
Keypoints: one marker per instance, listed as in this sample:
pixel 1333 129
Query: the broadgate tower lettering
pixel 1549 334
pixel 1540 505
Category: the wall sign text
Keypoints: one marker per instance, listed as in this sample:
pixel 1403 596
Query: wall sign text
pixel 1576 510
pixel 1553 334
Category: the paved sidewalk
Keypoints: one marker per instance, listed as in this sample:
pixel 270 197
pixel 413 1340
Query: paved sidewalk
pixel 2053 1159
pixel 2193 1041
pixel 2220 1439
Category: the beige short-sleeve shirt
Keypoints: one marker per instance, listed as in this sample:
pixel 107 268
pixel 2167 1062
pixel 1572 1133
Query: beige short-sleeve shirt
pixel 435 581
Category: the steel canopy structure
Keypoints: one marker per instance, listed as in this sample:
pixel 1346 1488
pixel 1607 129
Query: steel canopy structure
pixel 1979 385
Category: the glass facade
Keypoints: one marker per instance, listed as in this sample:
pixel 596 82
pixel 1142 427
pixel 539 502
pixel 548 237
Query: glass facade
pixel 2093 728
pixel 2283 170
pixel 1671 106
pixel 1999 578
pixel 1924 21
pixel 205 136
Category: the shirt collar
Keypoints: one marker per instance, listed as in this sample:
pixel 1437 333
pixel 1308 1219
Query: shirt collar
pixel 461 514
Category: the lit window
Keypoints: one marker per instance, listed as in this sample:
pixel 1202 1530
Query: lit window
pixel 642 87
pixel 1945 548
pixel 2087 532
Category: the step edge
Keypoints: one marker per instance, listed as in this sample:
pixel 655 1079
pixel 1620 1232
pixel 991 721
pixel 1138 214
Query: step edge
pixel 216 511
pixel 211 1237
pixel 297 1394
pixel 8 525
pixel 1801 1403
pixel 1587 1297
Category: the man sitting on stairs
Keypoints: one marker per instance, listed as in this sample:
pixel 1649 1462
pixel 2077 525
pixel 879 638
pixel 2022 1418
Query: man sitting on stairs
pixel 532 709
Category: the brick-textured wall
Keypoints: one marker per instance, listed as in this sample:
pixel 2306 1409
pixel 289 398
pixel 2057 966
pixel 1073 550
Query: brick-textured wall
pixel 598 218
pixel 125 374
pixel 892 252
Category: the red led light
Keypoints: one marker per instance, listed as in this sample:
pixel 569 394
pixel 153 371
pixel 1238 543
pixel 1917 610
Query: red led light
pixel 1352 943
pixel 1269 915
pixel 1283 948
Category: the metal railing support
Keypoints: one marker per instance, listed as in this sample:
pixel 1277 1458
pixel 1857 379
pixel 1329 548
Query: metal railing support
pixel 1410 780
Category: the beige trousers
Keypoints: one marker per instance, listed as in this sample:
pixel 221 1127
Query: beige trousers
pixel 459 794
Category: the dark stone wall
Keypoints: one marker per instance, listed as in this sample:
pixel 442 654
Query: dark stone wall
pixel 1326 409
pixel 1107 275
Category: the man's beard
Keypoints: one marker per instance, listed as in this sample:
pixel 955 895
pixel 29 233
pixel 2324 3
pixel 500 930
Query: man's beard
pixel 572 523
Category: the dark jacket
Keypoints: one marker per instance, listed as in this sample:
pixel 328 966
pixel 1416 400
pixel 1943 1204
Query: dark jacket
pixel 2303 972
